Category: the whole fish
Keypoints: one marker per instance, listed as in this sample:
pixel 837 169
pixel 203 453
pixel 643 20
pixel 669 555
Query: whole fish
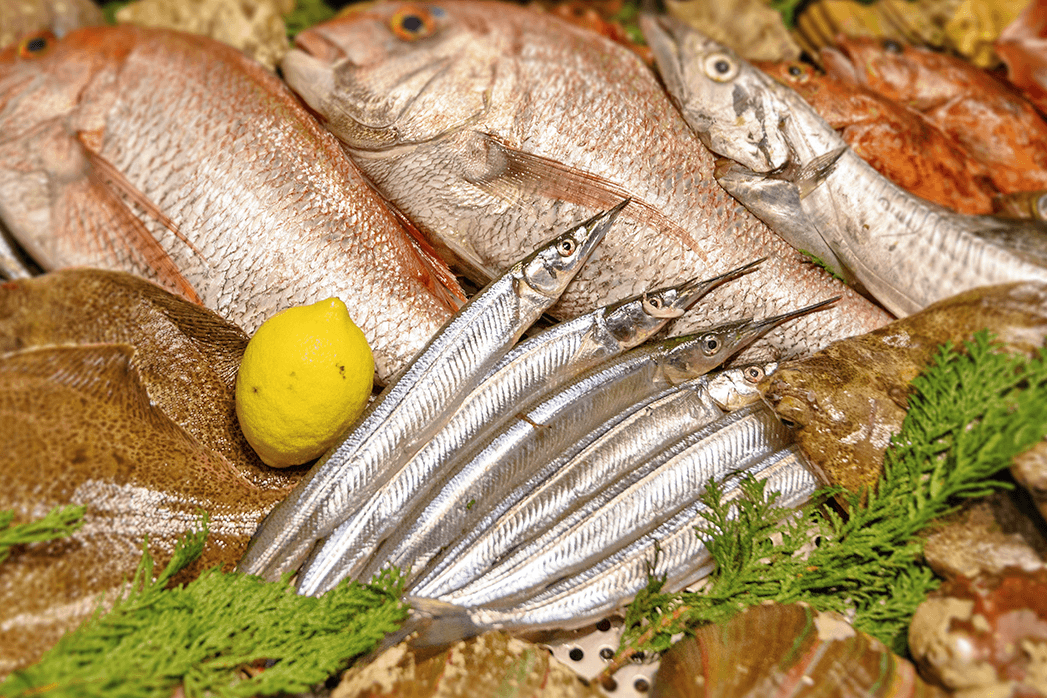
pixel 480 119
pixel 538 365
pixel 899 143
pixel 670 481
pixel 220 185
pixel 989 118
pixel 671 550
pixel 907 252
pixel 527 449
pixel 421 399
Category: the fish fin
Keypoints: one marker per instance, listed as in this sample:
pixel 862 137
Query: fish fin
pixel 438 624
pixel 94 211
pixel 442 281
pixel 817 171
pixel 517 177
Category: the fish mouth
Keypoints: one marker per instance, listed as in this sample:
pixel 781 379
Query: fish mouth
pixel 839 65
pixel 320 47
pixel 663 36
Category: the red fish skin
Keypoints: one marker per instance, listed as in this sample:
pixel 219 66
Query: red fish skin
pixel 988 118
pixel 901 144
pixel 177 158
pixel 1022 45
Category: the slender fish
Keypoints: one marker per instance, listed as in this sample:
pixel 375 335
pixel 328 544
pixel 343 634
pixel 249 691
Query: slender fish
pixel 552 426
pixel 905 251
pixel 410 410
pixel 537 365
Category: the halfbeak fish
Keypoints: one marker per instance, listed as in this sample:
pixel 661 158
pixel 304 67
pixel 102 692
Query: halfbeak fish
pixel 419 402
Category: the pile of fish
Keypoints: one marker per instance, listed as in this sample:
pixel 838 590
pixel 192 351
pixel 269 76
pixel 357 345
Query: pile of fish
pixel 531 485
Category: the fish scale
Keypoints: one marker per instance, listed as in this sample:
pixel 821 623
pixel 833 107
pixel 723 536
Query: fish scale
pixel 528 122
pixel 273 213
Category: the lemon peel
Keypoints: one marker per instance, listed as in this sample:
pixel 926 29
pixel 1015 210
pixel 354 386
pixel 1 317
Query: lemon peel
pixel 304 379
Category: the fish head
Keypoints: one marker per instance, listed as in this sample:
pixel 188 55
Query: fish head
pixel 385 76
pixel 737 387
pixel 733 107
pixel 909 75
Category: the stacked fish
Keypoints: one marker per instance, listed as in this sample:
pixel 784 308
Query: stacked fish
pixel 529 486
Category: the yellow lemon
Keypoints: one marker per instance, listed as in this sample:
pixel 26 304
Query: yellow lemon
pixel 303 380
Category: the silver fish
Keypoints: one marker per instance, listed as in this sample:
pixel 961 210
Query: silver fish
pixel 553 425
pixel 905 251
pixel 411 409
pixel 611 452
pixel 734 388
pixel 539 364
pixel 489 118
pixel 668 482
pixel 608 585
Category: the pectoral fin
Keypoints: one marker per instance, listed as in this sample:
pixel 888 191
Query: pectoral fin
pixel 817 171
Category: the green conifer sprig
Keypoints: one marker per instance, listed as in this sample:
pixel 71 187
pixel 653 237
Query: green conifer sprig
pixel 59 523
pixel 970 414
pixel 216 635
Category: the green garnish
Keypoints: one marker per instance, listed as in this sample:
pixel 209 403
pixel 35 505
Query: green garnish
pixel 215 635
pixel 305 14
pixel 59 523
pixel 969 416
pixel 818 262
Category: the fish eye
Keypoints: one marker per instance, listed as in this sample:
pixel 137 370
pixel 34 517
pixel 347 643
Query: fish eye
pixel 892 46
pixel 413 22
pixel 35 45
pixel 710 345
pixel 753 374
pixel 720 66
pixel 654 301
pixel 566 247
pixel 795 70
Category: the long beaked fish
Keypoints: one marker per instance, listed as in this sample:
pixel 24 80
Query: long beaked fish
pixel 907 252
pixel 538 365
pixel 669 482
pixel 480 119
pixel 672 550
pixel 220 186
pixel 421 399
pixel 553 425
pixel 618 446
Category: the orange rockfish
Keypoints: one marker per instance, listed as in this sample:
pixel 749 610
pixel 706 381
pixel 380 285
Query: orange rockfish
pixel 177 158
pixel 988 118
pixel 899 143
pixel 485 122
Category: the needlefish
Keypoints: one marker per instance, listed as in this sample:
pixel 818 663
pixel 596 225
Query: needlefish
pixel 906 252
pixel 551 426
pixel 410 410
pixel 671 550
pixel 480 119
pixel 536 366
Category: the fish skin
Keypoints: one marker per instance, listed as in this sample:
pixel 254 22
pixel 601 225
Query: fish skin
pixel 734 388
pixel 1022 46
pixel 21 17
pixel 899 143
pixel 421 399
pixel 504 117
pixel 534 367
pixel 95 158
pixel 989 118
pixel 906 251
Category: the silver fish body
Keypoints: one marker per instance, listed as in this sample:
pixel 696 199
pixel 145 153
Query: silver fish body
pixel 417 404
pixel 609 584
pixel 608 453
pixel 665 484
pixel 496 118
pixel 905 251
pixel 538 364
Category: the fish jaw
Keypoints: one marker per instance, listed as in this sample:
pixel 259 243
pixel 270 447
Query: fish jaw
pixel 342 69
pixel 734 111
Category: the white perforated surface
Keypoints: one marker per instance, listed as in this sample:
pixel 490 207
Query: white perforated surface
pixel 588 650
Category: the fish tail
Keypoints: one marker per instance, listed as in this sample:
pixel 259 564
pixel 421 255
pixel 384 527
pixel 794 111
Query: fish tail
pixel 438 624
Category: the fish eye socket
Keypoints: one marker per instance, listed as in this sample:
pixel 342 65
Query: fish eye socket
pixel 566 247
pixel 710 345
pixel 720 67
pixel 795 70
pixel 36 45
pixel 413 22
pixel 655 302
pixel 753 374
pixel 892 46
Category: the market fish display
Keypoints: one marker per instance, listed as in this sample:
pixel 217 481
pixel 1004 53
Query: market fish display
pixel 899 143
pixel 526 450
pixel 219 185
pixel 906 252
pixel 586 597
pixel 990 119
pixel 538 365
pixel 485 122
pixel 420 401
